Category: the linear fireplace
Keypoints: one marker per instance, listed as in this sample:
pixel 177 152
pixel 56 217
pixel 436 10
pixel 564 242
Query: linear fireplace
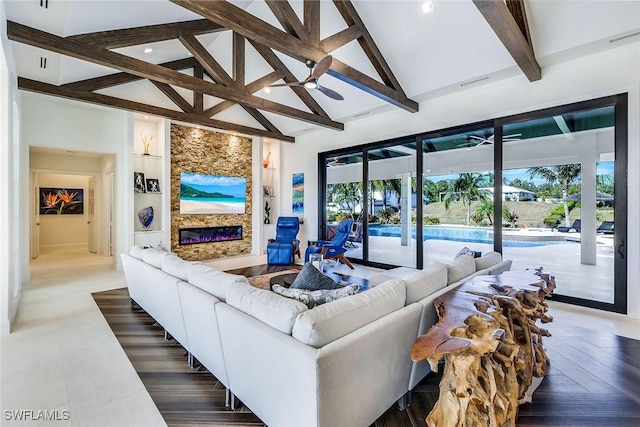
pixel 190 236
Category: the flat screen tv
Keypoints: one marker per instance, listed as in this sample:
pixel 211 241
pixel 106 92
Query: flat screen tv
pixel 212 194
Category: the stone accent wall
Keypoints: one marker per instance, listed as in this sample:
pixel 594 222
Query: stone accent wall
pixel 212 153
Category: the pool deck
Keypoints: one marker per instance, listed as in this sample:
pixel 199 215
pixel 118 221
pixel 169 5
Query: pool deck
pixel 563 260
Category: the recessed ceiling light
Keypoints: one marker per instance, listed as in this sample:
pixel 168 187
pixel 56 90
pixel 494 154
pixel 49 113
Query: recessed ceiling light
pixel 146 117
pixel 267 89
pixel 428 7
pixel 148 50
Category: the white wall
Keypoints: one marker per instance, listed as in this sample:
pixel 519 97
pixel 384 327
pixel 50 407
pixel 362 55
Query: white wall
pixel 62 124
pixel 611 72
pixel 12 271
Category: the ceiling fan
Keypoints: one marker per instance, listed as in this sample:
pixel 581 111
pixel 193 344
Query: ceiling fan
pixel 315 71
pixel 477 141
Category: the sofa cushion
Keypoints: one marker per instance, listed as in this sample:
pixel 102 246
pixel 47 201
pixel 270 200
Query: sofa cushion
pixel 328 322
pixel 213 281
pixel 137 252
pixel 266 306
pixel 154 257
pixel 500 267
pixel 315 298
pixel 460 267
pixel 176 266
pixel 311 279
pixel 487 260
pixel 419 283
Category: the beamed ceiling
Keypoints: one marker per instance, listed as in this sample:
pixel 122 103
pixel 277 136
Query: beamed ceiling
pixel 220 55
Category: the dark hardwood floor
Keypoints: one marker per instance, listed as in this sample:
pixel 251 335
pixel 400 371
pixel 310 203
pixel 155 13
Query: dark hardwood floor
pixel 594 378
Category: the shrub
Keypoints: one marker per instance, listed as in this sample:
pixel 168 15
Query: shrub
pixel 553 220
pixel 384 215
pixel 430 220
pixel 477 218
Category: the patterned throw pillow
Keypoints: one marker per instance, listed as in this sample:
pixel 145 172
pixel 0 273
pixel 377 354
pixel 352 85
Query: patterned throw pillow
pixel 315 298
pixel 467 251
pixel 311 279
pixel 161 247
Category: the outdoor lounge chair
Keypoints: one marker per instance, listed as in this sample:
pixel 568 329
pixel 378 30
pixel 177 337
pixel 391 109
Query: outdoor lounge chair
pixel 575 226
pixel 606 227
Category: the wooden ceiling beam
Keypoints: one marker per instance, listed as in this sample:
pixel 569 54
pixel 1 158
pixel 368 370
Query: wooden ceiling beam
pixel 252 87
pixel 288 18
pixel 240 21
pixel 238 59
pixel 204 58
pixel 312 20
pixel 506 27
pixel 368 45
pixel 174 96
pixel 198 97
pixel 96 98
pixel 148 34
pixel 115 79
pixel 340 39
pixel 31 36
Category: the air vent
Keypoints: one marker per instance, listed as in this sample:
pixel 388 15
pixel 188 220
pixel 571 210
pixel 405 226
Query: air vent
pixel 474 81
pixel 617 39
pixel 44 3
pixel 43 62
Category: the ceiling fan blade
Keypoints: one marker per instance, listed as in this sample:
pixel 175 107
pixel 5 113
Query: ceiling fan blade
pixel 288 84
pixel 321 67
pixel 330 93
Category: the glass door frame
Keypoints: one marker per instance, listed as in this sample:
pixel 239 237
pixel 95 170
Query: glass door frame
pixel 620 104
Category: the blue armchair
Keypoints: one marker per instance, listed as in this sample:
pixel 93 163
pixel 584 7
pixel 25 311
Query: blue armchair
pixel 282 249
pixel 333 248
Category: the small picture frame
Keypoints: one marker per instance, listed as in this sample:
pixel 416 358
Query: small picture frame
pixel 138 182
pixel 153 185
pixel 266 189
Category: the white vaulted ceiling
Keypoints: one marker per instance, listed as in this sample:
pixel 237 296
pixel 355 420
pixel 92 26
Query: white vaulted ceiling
pixel 429 54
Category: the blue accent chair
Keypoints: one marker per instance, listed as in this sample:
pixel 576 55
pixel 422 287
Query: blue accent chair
pixel 333 248
pixel 282 249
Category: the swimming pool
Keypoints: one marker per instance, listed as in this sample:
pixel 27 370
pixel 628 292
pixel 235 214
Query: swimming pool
pixel 468 234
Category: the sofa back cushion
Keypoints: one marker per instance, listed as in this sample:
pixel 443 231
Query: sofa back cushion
pixel 268 307
pixel 137 252
pixel 419 283
pixel 459 268
pixel 213 281
pixel 154 256
pixel 328 322
pixel 488 260
pixel 176 266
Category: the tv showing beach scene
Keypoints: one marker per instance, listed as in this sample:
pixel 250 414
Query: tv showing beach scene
pixel 212 194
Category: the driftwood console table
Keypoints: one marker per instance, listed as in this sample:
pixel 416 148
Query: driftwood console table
pixel 491 346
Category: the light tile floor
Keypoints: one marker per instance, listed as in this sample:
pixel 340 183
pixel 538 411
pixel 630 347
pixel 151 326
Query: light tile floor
pixel 63 356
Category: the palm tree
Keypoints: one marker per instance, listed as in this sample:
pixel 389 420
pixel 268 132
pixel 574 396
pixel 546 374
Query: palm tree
pixel 485 209
pixel 467 187
pixel 565 175
pixel 347 194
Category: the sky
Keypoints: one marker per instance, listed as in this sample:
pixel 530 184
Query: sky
pixel 602 168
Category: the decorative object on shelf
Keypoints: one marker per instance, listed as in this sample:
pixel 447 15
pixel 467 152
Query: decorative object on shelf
pixel 61 201
pixel 267 213
pixel 317 261
pixel 266 189
pixel 265 162
pixel 212 194
pixel 145 216
pixel 153 186
pixel 298 194
pixel 138 182
pixel 146 142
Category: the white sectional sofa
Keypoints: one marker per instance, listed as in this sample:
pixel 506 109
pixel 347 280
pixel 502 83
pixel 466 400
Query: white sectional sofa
pixel 343 363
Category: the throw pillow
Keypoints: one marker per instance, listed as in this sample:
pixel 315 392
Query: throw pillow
pixel 311 279
pixel 161 247
pixel 315 298
pixel 467 251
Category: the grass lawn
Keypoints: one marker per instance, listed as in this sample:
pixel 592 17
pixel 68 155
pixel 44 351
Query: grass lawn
pixel 532 214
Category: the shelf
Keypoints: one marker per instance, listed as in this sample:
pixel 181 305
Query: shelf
pixel 147 156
